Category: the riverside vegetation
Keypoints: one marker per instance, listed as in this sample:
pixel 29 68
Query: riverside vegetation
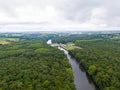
pixel 100 58
pixel 31 64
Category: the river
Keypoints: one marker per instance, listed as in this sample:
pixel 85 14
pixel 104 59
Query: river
pixel 81 80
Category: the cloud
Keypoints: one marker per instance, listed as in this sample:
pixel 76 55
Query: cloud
pixel 65 14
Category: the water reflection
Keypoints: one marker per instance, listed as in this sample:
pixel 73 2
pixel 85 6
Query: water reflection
pixel 82 81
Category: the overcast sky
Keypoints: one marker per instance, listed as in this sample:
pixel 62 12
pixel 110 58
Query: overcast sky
pixel 40 15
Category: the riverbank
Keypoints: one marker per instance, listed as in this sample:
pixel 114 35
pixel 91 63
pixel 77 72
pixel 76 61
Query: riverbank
pixel 67 46
pixel 81 79
pixel 101 61
pixel 70 46
pixel 84 69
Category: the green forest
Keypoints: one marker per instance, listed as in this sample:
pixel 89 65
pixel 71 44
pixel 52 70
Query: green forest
pixel 73 37
pixel 100 57
pixel 31 64
pixel 28 63
pixel 101 60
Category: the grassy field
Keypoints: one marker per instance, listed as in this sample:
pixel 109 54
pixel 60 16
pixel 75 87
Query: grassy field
pixel 70 46
pixel 8 40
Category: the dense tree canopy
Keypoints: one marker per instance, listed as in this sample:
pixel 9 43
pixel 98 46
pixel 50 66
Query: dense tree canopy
pixel 31 64
pixel 34 65
pixel 73 37
pixel 101 60
pixel 99 56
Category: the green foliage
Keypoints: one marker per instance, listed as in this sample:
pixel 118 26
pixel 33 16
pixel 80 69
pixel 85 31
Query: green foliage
pixel 73 37
pixel 92 69
pixel 101 60
pixel 46 83
pixel 34 65
pixel 8 40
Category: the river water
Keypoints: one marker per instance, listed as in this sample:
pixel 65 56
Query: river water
pixel 81 80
